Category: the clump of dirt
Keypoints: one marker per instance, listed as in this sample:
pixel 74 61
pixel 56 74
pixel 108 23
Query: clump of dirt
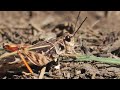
pixel 99 36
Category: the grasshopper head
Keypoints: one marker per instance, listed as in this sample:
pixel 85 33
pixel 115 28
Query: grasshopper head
pixel 69 43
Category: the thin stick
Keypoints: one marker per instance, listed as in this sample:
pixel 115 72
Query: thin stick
pixel 26 64
pixel 77 20
pixel 49 50
pixel 8 54
pixel 95 23
pixel 79 27
pixel 35 27
pixel 39 47
pixel 42 73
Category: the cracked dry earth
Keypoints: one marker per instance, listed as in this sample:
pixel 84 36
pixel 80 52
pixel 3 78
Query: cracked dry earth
pixel 99 40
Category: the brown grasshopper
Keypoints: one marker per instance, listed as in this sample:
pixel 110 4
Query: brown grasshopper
pixel 52 50
pixel 67 41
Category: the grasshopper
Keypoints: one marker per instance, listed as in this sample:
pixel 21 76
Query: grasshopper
pixel 53 49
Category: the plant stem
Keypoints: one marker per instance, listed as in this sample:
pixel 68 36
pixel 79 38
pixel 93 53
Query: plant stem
pixel 99 59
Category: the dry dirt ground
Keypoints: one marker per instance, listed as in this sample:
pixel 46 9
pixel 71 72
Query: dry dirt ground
pixel 100 36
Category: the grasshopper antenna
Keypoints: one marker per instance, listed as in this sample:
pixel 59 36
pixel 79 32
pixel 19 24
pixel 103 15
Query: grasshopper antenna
pixel 79 27
pixel 77 19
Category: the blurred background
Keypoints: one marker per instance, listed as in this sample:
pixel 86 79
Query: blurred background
pixel 41 18
pixel 19 18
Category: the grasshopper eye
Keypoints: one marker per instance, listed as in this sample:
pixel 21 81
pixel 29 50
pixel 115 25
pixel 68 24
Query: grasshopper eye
pixel 68 38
